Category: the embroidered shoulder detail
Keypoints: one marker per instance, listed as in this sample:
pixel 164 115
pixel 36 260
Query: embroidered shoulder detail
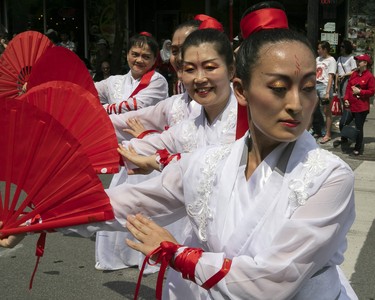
pixel 200 209
pixel 314 166
pixel 117 85
pixel 189 136
pixel 177 111
pixel 230 121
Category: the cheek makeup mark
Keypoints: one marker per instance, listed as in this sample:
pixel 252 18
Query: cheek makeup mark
pixel 298 66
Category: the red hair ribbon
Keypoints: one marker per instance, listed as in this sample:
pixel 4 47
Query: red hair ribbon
pixel 146 33
pixel 265 18
pixel 211 23
pixel 201 17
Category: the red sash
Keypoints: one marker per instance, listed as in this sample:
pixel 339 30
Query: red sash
pixel 145 81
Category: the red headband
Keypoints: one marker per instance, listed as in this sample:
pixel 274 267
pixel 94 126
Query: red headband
pixel 211 23
pixel 201 17
pixel 146 33
pixel 265 18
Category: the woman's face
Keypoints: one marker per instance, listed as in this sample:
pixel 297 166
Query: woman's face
pixel 281 96
pixel 140 60
pixel 178 38
pixel 206 76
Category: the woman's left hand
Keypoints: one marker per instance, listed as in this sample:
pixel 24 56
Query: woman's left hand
pixel 135 127
pixel 148 233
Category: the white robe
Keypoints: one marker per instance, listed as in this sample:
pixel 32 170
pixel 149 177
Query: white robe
pixel 118 88
pixel 280 227
pixel 186 135
pixel 111 252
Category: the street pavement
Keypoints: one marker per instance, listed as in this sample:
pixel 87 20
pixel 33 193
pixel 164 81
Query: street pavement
pixel 66 271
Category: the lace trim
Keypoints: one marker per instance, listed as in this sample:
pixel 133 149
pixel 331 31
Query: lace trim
pixel 231 120
pixel 190 135
pixel 178 111
pixel 314 165
pixel 200 209
pixel 117 85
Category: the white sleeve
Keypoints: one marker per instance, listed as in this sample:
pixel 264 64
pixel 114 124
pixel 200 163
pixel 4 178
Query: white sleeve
pixel 160 198
pixel 103 91
pixel 154 142
pixel 156 91
pixel 332 66
pixel 303 245
pixel 152 117
pixel 353 64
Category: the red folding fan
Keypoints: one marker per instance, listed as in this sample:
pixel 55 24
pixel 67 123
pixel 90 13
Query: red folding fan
pixel 17 61
pixel 81 113
pixel 46 180
pixel 59 63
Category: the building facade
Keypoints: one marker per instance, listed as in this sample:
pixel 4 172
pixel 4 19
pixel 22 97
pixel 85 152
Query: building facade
pixel 88 21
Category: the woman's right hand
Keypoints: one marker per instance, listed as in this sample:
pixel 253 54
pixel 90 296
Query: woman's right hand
pixel 346 103
pixel 145 164
pixel 135 127
pixel 10 241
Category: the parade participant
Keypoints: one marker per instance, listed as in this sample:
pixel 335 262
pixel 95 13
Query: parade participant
pixel 361 86
pixel 111 252
pixel 142 86
pixel 167 112
pixel 269 213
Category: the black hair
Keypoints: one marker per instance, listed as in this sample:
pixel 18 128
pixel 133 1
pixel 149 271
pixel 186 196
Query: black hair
pixel 325 45
pixel 348 46
pixel 189 23
pixel 140 40
pixel 261 5
pixel 249 53
pixel 218 39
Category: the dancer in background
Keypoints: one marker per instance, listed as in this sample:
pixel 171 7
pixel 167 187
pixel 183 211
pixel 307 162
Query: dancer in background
pixel 141 86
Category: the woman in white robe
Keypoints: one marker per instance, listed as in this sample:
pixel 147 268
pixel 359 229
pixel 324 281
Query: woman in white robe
pixel 214 124
pixel 141 86
pixel 273 203
pixel 110 251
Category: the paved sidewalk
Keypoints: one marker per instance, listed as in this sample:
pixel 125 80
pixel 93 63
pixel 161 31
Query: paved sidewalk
pixel 359 262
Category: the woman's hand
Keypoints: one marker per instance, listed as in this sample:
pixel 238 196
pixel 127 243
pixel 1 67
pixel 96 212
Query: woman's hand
pixel 148 233
pixel 136 127
pixel 356 90
pixel 145 164
pixel 10 241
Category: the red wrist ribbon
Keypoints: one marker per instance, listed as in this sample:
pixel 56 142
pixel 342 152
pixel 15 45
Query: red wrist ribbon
pixel 146 132
pixel 166 157
pixel 166 252
pixel 185 262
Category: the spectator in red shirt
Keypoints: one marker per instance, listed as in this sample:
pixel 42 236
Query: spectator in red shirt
pixel 361 86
